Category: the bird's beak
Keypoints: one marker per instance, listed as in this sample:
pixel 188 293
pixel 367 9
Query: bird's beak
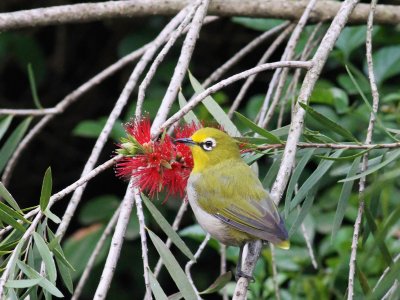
pixel 187 141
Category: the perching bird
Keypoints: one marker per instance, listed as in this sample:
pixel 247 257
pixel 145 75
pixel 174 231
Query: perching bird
pixel 227 197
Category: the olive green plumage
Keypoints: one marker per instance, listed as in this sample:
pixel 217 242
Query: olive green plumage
pixel 226 196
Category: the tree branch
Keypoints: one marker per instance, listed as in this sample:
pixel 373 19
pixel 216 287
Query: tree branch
pixel 283 9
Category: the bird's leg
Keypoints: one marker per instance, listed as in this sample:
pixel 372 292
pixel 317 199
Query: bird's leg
pixel 239 272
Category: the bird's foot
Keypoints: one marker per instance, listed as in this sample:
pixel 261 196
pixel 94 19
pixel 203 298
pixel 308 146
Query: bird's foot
pixel 239 274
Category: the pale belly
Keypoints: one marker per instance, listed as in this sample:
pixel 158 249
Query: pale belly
pixel 219 230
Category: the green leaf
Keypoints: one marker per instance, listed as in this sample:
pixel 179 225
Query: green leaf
pixel 259 24
pixel 271 174
pixel 328 123
pixel 4 124
pixel 386 63
pixel 93 128
pixel 22 283
pixel 350 39
pixel 98 209
pixel 350 157
pixel 5 194
pixel 378 239
pixel 344 198
pixel 65 273
pixel 383 286
pixel 378 120
pixel 214 109
pixel 8 219
pixel 46 256
pixel 52 216
pixel 190 117
pixel 46 189
pixel 273 139
pixel 32 83
pixel 305 208
pixel 167 228
pixel 173 267
pixel 12 142
pixel 321 170
pixel 155 287
pixel 392 156
pixel 13 213
pixel 218 284
pixel 362 278
pixel 295 178
pixel 44 283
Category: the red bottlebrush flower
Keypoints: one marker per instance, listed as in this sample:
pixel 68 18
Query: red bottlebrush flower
pixel 155 165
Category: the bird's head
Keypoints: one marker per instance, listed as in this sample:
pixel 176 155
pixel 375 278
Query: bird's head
pixel 210 146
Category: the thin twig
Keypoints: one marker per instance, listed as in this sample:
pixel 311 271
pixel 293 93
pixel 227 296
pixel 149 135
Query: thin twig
pixel 182 65
pixel 222 268
pixel 223 83
pixel 92 259
pixel 191 262
pixel 283 9
pixel 143 240
pixel 249 263
pixel 271 49
pixel 116 245
pixel 368 140
pixel 160 57
pixel 243 52
pixel 309 245
pixel 287 55
pixel 385 272
pixel 310 79
pixel 120 104
pixel 274 273
pixel 65 103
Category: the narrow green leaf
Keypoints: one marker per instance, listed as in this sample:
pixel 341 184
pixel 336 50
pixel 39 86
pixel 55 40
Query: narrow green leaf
pixel 392 156
pixel 273 139
pixel 321 170
pixel 305 208
pixel 363 281
pixel 214 109
pixel 166 227
pixel 44 283
pixel 61 257
pixel 173 267
pixel 46 256
pixel 5 194
pixel 4 124
pixel 344 198
pixel 271 174
pixel 22 283
pixel 295 178
pixel 190 117
pixel 155 287
pixel 12 142
pixel 46 189
pixel 13 213
pixel 378 120
pixel 328 123
pixel 32 83
pixel 6 218
pixel 65 273
pixel 383 286
pixel 378 239
pixel 350 157
pixel 52 216
pixel 57 250
pixel 218 284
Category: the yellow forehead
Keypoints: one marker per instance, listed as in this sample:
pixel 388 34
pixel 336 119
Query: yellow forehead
pixel 204 133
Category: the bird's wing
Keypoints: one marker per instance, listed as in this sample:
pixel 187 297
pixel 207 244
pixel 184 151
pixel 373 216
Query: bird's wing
pixel 235 195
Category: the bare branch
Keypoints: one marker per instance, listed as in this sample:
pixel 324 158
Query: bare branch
pixel 99 246
pixel 310 79
pixel 283 9
pixel 368 140
pixel 116 245
pixel 216 87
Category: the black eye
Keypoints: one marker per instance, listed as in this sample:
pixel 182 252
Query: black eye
pixel 208 144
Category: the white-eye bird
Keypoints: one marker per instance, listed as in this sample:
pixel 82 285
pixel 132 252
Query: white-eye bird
pixel 227 197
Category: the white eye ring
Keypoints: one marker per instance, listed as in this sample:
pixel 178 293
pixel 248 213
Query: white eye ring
pixel 208 144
